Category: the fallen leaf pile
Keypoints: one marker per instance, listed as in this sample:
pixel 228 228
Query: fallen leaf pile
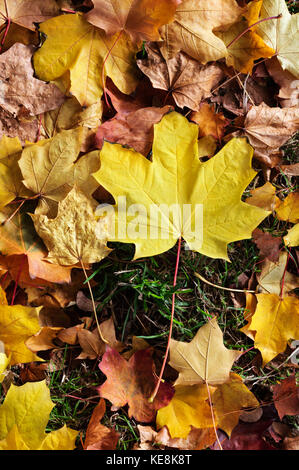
pixel 163 104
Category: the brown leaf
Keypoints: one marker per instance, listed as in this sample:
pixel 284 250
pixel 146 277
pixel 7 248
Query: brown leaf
pixel 269 128
pixel 289 92
pixel 136 130
pixel 98 436
pixel 140 19
pixel 197 439
pixel 267 244
pixel 21 93
pixel 27 12
pixel 263 197
pixel 286 397
pixel 184 78
pixel 133 382
pixel 14 127
pixel 43 340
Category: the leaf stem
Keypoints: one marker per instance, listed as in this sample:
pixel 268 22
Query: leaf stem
pixel 93 302
pixel 103 66
pixel 251 26
pixel 151 399
pixel 213 417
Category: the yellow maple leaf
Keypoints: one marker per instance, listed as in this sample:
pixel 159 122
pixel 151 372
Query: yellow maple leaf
pixel 275 321
pixel 50 169
pixel 292 237
pixel 17 324
pixel 189 407
pixel 210 192
pixel 73 45
pixel 288 209
pixel 24 416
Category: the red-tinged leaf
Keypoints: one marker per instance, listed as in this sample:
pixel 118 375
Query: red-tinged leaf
pixel 286 397
pixel 132 382
pixel 247 437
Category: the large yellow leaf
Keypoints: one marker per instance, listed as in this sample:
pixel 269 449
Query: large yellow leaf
pixel 192 30
pixel 17 324
pixel 50 169
pixel 275 321
pixel 73 45
pixel 205 359
pixel 189 407
pixel 24 416
pixel 176 176
pixel 281 34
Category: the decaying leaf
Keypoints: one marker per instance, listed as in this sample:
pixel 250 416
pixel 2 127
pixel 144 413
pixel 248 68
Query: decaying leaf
pixel 132 382
pixel 140 19
pixel 209 122
pixel 192 30
pixel 263 197
pixel 267 244
pixel 286 397
pixel 269 128
pixel 27 12
pixel 273 277
pixel 21 93
pixel 24 416
pixel 74 236
pixel 98 436
pixel 188 81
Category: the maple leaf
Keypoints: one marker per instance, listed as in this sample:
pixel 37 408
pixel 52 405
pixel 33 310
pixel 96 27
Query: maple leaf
pixel 73 45
pixel 275 322
pixel 184 78
pixel 269 128
pixel 24 416
pixel 25 130
pixel 17 324
pixel 281 34
pixel 74 235
pixel 27 12
pixel 192 30
pixel 25 252
pixel 289 92
pixel 140 19
pixel 286 397
pixel 21 93
pixel 216 184
pixel 133 382
pixel 98 436
pixel 249 436
pixel 205 359
pixel 50 169
pixel 209 122
pixel 189 407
